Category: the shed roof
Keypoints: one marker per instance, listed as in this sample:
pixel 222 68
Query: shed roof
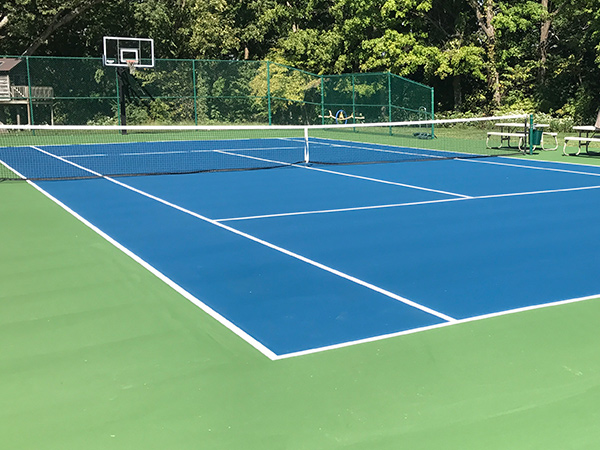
pixel 7 64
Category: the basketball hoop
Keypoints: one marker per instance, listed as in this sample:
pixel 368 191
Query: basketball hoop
pixel 131 65
pixel 128 52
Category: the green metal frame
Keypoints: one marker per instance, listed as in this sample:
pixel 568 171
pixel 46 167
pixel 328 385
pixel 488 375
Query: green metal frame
pixel 29 91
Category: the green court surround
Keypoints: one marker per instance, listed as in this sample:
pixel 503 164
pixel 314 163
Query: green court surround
pixel 97 353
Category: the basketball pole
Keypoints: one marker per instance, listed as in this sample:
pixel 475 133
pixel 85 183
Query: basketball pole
pixel 127 54
pixel 121 72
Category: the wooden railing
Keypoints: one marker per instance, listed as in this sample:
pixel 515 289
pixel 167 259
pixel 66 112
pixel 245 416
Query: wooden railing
pixel 37 92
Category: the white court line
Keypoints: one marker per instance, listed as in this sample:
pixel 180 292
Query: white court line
pixel 91 155
pixel 256 344
pixel 545 169
pixel 546 161
pixel 327 211
pixel 397 205
pixel 316 140
pixel 13 170
pixel 376 180
pixel 176 287
pixel 208 310
pixel 297 256
pixel 439 325
pixel 445 154
pixel 248 338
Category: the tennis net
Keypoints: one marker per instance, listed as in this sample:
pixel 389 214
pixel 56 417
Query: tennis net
pixel 44 152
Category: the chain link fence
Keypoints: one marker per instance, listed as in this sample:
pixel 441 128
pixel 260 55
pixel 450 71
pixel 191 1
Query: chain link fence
pixel 81 91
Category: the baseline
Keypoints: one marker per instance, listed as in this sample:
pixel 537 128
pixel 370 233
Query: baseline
pixel 440 325
pixel 464 258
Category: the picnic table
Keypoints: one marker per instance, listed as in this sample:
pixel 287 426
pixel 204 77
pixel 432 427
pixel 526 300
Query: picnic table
pixel 586 134
pixel 520 130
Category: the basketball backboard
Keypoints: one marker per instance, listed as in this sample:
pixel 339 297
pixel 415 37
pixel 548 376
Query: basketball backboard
pixel 128 52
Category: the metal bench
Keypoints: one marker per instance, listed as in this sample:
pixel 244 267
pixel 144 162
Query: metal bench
pixel 505 136
pixel 554 135
pixel 580 139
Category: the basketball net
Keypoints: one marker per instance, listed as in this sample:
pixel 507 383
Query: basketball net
pixel 131 66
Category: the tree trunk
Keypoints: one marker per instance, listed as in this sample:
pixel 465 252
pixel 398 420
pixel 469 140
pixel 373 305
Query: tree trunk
pixel 484 11
pixel 544 34
pixel 457 88
pixel 3 21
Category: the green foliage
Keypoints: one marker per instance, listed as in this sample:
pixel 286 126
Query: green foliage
pixel 321 51
pixel 294 94
pixel 437 42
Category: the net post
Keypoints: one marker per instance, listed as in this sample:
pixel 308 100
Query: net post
pixel 306 152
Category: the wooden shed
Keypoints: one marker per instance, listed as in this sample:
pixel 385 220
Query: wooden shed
pixel 15 89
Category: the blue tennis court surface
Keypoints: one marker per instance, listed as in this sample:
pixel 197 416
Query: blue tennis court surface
pixel 304 258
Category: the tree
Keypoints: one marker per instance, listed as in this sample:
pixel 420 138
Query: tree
pixel 31 23
pixel 485 14
pixel 573 62
pixel 257 25
pixel 481 55
pixel 544 35
pixel 60 16
pixel 437 40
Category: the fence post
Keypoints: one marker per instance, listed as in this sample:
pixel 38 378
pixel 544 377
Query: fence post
pixel 195 92
pixel 353 101
pixel 269 90
pixel 389 80
pixel 432 114
pixel 29 93
pixel 322 101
